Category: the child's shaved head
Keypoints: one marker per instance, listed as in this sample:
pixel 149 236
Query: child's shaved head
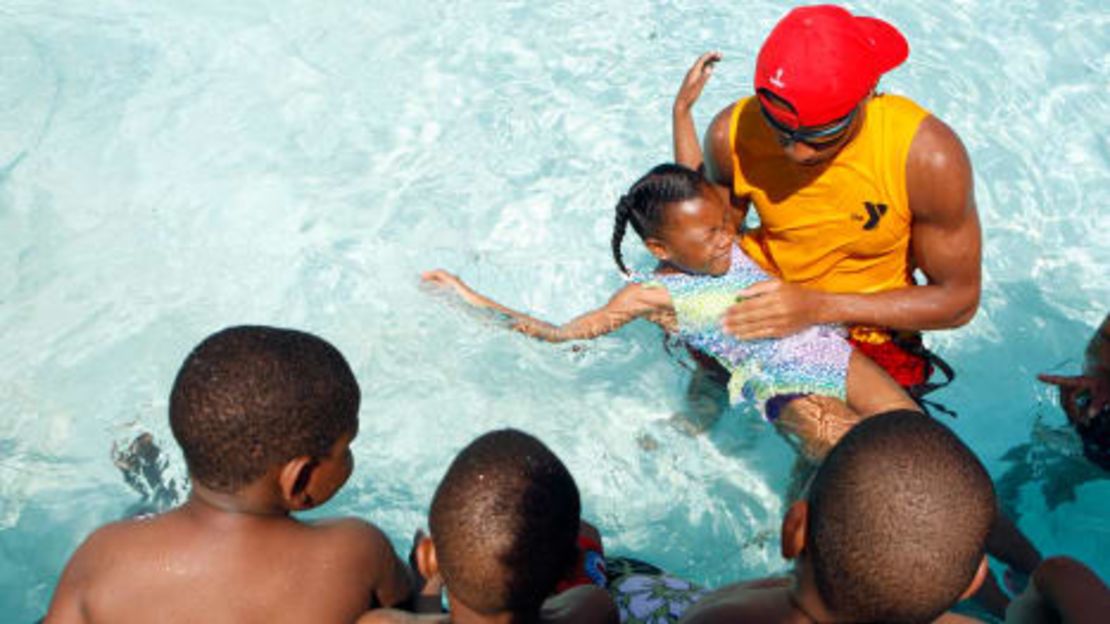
pixel 248 398
pixel 898 515
pixel 505 521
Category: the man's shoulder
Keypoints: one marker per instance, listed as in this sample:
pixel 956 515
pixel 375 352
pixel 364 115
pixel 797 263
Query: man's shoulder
pixel 936 144
pixel 718 145
pixel 937 165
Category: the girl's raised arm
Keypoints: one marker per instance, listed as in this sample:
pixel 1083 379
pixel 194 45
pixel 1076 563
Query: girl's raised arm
pixel 628 303
pixel 687 151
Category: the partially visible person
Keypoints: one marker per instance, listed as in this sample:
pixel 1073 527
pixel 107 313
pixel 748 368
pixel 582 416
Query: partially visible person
pixel 854 189
pixel 893 528
pixel 1085 398
pixel 265 418
pixel 1064 457
pixel 504 522
pixel 1061 591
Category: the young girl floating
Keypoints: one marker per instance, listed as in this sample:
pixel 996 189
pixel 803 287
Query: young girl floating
pixel 799 382
pixel 812 385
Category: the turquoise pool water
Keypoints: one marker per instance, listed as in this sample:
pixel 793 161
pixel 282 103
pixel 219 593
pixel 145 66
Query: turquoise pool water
pixel 171 169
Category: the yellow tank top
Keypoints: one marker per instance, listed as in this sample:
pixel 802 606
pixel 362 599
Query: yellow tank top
pixel 843 229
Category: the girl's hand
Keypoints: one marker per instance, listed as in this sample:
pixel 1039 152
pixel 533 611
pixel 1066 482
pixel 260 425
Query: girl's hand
pixel 694 82
pixel 443 279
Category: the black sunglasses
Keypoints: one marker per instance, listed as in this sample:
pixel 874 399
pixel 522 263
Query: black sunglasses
pixel 817 139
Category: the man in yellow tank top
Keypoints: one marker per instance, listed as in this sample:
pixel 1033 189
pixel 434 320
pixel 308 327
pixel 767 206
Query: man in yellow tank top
pixel 854 191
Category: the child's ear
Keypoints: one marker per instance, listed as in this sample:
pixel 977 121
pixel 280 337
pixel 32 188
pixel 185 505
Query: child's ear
pixel 426 562
pixel 294 478
pixel 794 530
pixel 657 248
pixel 977 581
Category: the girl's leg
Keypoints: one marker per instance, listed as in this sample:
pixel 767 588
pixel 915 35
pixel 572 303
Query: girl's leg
pixel 814 424
pixel 706 399
pixel 871 390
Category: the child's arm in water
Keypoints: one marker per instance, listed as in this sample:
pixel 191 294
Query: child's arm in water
pixel 687 151
pixel 631 302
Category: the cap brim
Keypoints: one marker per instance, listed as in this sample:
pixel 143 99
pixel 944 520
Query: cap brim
pixel 891 48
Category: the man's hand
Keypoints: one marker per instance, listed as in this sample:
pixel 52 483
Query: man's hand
pixel 694 82
pixel 772 309
pixel 1082 397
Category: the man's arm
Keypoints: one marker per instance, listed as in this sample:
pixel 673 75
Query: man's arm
pixel 946 245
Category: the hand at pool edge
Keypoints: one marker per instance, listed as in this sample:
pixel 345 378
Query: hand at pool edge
pixel 1071 387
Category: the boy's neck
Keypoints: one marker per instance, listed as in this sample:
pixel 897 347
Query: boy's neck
pixel 804 598
pixel 500 618
pixel 254 500
pixel 462 614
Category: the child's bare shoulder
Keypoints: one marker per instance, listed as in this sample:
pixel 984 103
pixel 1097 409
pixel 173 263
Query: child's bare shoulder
pixel 359 543
pixel 764 600
pixel 353 533
pixel 644 295
pixel 118 552
pixel 586 604
pixel 133 535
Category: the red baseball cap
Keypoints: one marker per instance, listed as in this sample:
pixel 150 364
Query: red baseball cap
pixel 823 60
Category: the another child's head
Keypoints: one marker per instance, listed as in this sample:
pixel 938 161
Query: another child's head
pixel 897 518
pixel 680 218
pixel 253 400
pixel 504 523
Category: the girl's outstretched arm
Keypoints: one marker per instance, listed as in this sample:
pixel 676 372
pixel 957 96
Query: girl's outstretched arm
pixel 687 151
pixel 628 303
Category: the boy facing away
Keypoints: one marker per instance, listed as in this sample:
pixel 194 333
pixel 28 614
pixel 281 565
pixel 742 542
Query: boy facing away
pixel 264 418
pixel 504 526
pixel 892 529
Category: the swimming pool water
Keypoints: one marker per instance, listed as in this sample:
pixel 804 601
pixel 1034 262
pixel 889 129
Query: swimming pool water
pixel 167 169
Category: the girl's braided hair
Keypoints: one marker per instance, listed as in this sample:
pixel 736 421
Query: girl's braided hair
pixel 643 205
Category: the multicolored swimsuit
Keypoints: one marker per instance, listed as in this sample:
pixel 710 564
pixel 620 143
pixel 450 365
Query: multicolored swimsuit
pixel 764 372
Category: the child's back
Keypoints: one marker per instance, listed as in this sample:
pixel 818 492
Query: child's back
pixel 265 418
pixel 504 522
pixel 195 563
pixel 892 529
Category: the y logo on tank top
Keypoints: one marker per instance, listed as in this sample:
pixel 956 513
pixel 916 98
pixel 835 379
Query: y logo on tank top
pixel 875 212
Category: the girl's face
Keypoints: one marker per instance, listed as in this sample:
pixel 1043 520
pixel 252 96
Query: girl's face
pixel 695 236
